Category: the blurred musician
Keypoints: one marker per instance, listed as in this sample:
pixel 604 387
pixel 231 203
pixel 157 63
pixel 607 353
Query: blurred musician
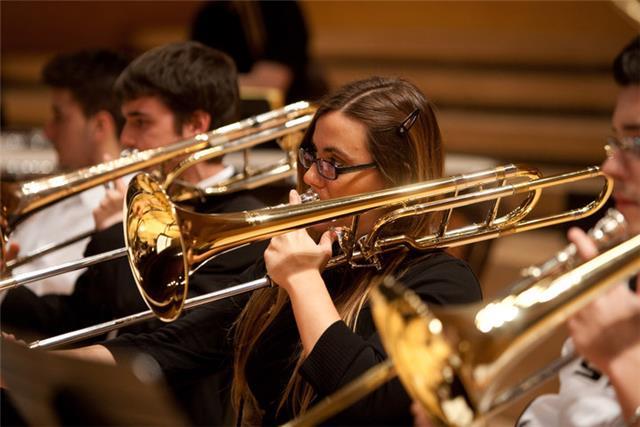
pixel 313 333
pixel 84 126
pixel 602 389
pixel 168 94
pixel 269 42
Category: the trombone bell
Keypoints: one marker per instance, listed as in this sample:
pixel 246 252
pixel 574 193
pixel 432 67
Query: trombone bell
pixel 154 247
pixel 457 361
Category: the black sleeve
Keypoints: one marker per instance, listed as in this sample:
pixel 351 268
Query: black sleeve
pixel 197 342
pixel 341 355
pixel 89 303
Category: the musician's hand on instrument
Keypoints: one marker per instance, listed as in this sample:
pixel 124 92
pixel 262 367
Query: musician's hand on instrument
pixel 608 330
pixel 9 337
pixel 11 252
pixel 109 211
pixel 420 417
pixel 294 262
pixel 586 247
pixel 294 255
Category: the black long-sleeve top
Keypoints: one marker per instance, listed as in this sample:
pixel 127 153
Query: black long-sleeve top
pixel 201 343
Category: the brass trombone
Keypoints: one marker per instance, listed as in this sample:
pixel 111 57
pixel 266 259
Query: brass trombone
pixel 457 361
pixel 167 244
pixel 21 199
pixel 609 231
pixel 158 194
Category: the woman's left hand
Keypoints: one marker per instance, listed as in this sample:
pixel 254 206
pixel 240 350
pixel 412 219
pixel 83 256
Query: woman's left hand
pixel 292 256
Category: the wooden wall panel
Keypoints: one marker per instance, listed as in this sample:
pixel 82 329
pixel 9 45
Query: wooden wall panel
pixel 29 26
pixel 533 71
pixel 509 32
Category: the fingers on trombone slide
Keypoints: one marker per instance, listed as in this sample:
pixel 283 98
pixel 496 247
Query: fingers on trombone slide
pixel 9 254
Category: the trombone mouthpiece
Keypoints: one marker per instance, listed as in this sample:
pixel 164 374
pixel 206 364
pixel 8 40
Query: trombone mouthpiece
pixel 309 196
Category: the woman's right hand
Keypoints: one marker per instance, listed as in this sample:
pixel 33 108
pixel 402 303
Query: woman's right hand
pixel 292 256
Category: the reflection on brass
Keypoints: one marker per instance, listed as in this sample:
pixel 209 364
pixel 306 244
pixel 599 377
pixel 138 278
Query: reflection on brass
pixel 610 230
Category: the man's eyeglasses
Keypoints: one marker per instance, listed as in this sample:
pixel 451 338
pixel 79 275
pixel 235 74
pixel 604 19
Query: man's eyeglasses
pixel 326 168
pixel 628 144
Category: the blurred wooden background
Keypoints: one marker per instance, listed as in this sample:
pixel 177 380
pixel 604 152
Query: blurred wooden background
pixel 514 81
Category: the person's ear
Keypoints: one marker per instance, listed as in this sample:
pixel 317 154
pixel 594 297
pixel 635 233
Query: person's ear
pixel 198 122
pixel 104 126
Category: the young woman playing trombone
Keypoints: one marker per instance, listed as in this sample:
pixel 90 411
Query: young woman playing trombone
pixel 312 332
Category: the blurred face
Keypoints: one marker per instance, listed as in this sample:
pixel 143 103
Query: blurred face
pixel 624 165
pixel 70 131
pixel 343 141
pixel 149 123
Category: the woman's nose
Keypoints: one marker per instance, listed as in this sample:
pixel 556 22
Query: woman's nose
pixel 614 164
pixel 312 178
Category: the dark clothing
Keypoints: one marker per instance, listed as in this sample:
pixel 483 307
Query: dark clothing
pixel 200 343
pixel 261 31
pixel 107 291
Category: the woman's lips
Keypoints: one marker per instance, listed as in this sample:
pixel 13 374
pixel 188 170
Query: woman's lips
pixel 622 201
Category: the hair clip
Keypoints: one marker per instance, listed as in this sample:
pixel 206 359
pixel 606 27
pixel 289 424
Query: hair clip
pixel 407 123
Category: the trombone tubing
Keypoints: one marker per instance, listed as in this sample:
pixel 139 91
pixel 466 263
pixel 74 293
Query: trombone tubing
pixel 448 184
pixel 267 176
pixel 263 176
pixel 43 250
pixel 25 198
pixel 88 332
pixel 34 276
pixel 103 328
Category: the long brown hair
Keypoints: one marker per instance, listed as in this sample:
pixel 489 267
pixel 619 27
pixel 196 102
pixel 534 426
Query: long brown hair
pixel 403 156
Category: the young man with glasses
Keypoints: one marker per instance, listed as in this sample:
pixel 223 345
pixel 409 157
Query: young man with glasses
pixel 601 389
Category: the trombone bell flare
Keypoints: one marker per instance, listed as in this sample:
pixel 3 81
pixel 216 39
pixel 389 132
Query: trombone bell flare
pixel 457 361
pixel 154 247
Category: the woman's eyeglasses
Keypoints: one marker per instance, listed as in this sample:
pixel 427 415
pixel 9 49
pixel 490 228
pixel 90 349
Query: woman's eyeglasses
pixel 326 168
pixel 628 144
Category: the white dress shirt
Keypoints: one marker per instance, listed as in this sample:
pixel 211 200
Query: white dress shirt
pixel 56 223
pixel 585 399
pixel 60 222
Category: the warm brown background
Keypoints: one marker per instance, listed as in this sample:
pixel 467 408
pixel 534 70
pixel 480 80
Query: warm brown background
pixel 515 81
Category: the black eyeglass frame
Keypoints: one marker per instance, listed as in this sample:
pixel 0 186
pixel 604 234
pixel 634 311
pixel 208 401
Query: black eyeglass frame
pixel 629 144
pixel 338 170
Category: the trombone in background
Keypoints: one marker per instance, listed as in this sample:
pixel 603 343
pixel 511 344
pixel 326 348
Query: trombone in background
pixel 609 231
pixel 166 244
pixel 458 362
pixel 18 200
